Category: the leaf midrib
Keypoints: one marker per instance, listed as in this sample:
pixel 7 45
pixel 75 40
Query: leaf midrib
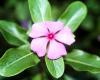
pixel 79 62
pixel 16 61
pixel 15 36
pixel 71 19
pixel 40 11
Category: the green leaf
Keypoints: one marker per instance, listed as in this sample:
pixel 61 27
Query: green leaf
pixel 22 11
pixel 13 34
pixel 82 61
pixel 55 67
pixel 38 77
pixel 16 60
pixel 74 15
pixel 67 77
pixel 40 10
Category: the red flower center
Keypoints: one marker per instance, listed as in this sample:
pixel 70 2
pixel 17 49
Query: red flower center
pixel 50 36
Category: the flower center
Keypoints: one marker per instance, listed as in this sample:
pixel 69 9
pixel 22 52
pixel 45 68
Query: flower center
pixel 50 36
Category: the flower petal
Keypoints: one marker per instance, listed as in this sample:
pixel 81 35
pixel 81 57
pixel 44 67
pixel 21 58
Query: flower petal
pixel 56 50
pixel 38 29
pixel 39 45
pixel 54 26
pixel 65 36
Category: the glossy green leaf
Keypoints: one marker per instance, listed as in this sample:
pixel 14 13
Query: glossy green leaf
pixel 83 61
pixel 40 10
pixel 55 67
pixel 13 34
pixel 16 60
pixel 74 15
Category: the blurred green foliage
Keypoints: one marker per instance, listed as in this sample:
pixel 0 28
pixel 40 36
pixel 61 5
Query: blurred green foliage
pixel 87 36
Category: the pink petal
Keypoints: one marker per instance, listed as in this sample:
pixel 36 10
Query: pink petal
pixel 38 29
pixel 39 45
pixel 65 36
pixel 56 50
pixel 54 26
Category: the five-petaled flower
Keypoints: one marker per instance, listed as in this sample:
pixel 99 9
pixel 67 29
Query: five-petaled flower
pixel 49 39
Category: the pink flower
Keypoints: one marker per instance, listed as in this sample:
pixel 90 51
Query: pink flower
pixel 49 38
